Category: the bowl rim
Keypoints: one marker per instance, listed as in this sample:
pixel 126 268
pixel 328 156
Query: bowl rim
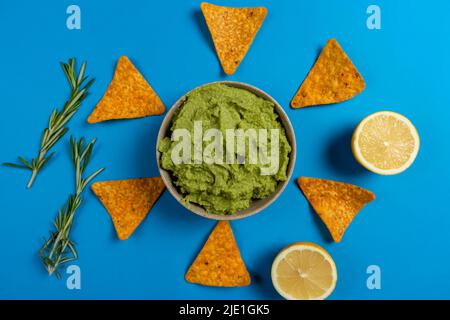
pixel 257 205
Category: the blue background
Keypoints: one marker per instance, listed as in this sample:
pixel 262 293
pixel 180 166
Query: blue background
pixel 405 231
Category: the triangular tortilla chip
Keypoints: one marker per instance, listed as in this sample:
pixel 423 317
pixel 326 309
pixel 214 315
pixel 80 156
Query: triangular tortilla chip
pixel 336 203
pixel 232 31
pixel 332 79
pixel 128 201
pixel 219 263
pixel 128 96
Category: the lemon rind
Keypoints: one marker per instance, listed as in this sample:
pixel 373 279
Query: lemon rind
pixel 308 246
pixel 360 158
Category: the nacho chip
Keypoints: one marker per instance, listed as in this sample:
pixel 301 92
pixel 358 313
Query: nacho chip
pixel 336 203
pixel 232 31
pixel 128 96
pixel 128 201
pixel 219 263
pixel 332 79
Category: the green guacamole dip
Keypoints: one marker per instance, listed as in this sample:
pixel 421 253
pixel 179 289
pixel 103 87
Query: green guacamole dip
pixel 223 188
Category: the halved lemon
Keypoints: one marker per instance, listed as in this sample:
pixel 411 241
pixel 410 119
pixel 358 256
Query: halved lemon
pixel 304 271
pixel 385 143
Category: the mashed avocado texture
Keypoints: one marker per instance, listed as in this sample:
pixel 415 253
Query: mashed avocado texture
pixel 223 188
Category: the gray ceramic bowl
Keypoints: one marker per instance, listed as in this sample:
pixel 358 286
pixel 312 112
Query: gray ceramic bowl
pixel 256 205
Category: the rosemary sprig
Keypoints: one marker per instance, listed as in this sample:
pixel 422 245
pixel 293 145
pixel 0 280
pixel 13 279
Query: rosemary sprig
pixel 58 119
pixel 59 249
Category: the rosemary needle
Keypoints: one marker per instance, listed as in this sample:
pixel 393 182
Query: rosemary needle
pixel 58 120
pixel 59 249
